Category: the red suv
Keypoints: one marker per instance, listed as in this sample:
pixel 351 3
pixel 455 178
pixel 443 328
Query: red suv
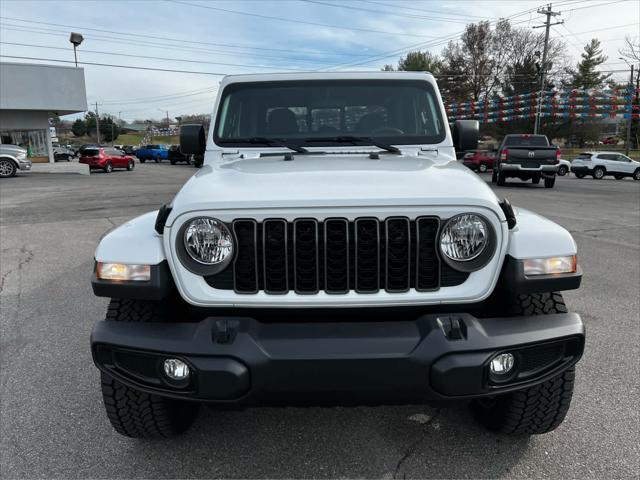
pixel 106 159
pixel 479 160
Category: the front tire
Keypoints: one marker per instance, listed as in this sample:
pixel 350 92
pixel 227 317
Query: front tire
pixel 537 409
pixel 7 168
pixel 142 160
pixel 535 180
pixel 482 168
pixel 158 158
pixel 134 413
pixel 130 165
pixel 108 168
pixel 636 174
pixel 562 170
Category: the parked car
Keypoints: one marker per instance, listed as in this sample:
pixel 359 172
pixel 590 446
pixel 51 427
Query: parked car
pixel 152 152
pixel 119 147
pixel 360 265
pixel 479 160
pixel 129 149
pixel 63 154
pixel 564 167
pixel 106 159
pixel 82 148
pixel 610 141
pixel 527 157
pixel 175 155
pixel 601 164
pixel 12 159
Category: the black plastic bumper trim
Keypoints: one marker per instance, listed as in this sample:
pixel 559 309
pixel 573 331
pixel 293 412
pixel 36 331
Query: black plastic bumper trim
pixel 514 281
pixel 157 288
pixel 334 362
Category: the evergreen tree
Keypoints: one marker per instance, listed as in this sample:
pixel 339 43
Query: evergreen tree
pixel 586 74
pixel 79 127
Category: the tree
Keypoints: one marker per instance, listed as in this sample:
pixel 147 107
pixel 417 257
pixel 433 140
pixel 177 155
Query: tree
pixel 109 129
pixel 79 127
pixel 420 62
pixel 586 74
pixel 631 49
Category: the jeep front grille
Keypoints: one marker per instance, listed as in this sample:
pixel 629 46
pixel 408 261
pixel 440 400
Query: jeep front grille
pixel 336 256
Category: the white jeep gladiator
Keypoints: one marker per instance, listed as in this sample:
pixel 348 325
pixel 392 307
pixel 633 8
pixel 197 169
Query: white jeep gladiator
pixel 331 251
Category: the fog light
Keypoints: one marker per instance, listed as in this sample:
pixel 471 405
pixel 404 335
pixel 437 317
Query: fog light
pixel 502 364
pixel 176 369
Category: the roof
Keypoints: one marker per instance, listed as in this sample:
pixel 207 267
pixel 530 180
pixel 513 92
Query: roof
pixel 373 75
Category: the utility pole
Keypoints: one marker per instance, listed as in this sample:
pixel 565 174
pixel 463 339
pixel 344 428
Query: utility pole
pixel 627 142
pixel 549 13
pixel 97 124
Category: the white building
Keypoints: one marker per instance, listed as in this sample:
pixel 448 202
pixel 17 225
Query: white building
pixel 29 95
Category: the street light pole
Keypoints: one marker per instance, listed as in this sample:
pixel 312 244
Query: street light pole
pixel 76 39
pixel 627 143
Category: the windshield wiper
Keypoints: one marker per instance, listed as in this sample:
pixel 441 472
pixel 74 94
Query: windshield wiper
pixel 355 141
pixel 277 141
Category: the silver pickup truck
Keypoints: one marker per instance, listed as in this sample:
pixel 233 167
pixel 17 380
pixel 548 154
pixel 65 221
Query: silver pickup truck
pixel 12 159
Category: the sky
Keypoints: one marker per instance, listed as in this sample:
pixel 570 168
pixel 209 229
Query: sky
pixel 216 38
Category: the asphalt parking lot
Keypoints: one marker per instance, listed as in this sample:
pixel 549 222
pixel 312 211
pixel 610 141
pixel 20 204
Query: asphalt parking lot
pixel 52 422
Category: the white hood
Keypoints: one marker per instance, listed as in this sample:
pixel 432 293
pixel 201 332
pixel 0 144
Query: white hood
pixel 327 180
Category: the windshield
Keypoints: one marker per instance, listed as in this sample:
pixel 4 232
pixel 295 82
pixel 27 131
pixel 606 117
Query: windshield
pixel 526 141
pixel 316 113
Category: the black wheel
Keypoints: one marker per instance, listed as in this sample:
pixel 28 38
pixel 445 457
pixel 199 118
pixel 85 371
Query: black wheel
pixel 538 409
pixel 482 168
pixel 173 162
pixel 549 182
pixel 131 165
pixel 142 160
pixel 535 180
pixel 134 413
pixel 562 170
pixel 598 173
pixel 108 168
pixel 636 174
pixel 7 168
pixel 579 175
pixel 500 179
pixel 158 158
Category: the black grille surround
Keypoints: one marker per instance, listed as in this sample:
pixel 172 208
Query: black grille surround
pixel 336 255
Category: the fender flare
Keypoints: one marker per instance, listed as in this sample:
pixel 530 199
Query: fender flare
pixel 134 242
pixel 535 236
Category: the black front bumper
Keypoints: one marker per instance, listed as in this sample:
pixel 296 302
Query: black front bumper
pixel 434 358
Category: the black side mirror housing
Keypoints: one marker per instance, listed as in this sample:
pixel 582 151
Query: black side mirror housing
pixel 192 139
pixel 465 135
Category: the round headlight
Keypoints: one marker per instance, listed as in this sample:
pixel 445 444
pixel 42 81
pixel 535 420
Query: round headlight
pixel 464 237
pixel 208 241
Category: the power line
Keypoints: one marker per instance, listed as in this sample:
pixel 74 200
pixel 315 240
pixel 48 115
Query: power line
pixel 159 97
pixel 155 37
pixel 386 12
pixel 168 70
pixel 153 58
pixel 424 11
pixel 164 46
pixel 299 22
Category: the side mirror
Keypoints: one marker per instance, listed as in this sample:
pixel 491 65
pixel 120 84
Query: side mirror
pixel 192 139
pixel 465 135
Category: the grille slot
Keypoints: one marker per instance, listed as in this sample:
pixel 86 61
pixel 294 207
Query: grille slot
pixel 275 256
pixel 336 256
pixel 305 256
pixel 398 254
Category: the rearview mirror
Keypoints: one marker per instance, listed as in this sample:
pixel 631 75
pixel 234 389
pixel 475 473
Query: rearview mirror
pixel 192 139
pixel 465 135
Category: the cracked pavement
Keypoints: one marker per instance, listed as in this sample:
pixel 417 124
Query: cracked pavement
pixel 52 422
